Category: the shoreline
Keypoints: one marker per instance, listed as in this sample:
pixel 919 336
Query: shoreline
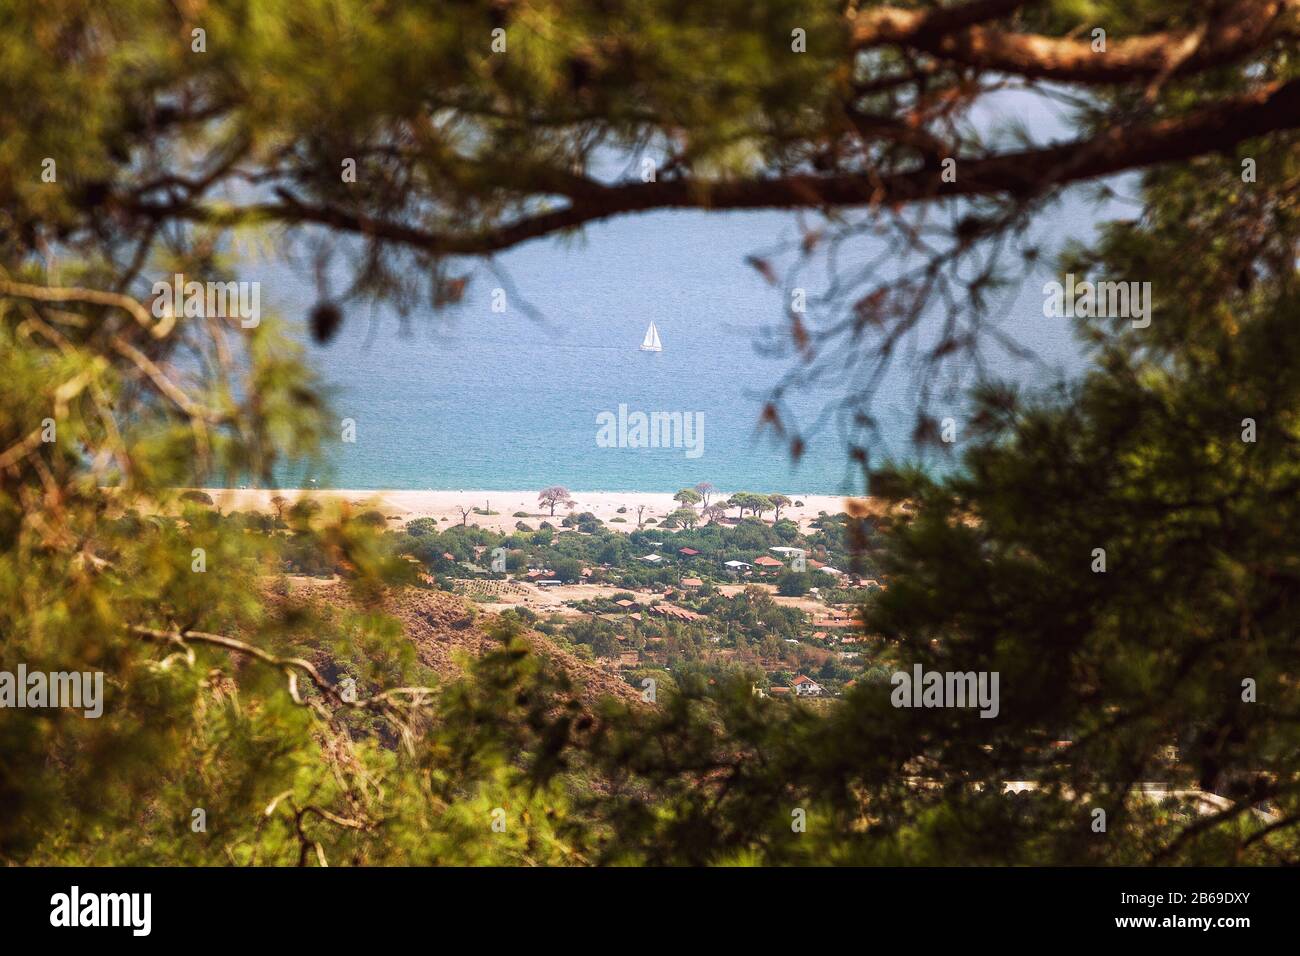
pixel 402 505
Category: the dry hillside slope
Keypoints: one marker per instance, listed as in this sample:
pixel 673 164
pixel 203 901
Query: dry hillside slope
pixel 443 626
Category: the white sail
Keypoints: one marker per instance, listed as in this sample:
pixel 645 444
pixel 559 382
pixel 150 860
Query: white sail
pixel 651 342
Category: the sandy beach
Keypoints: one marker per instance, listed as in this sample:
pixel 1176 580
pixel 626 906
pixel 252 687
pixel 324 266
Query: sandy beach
pixel 403 506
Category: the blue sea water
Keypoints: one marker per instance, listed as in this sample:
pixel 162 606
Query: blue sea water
pixel 466 398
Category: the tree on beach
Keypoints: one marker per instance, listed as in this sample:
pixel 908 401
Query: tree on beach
pixel 553 496
pixel 749 501
pixel 705 490
pixel 713 512
pixel 779 502
pixel 688 497
pixel 688 518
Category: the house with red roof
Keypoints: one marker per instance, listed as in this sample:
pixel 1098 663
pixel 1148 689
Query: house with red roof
pixel 672 612
pixel 806 686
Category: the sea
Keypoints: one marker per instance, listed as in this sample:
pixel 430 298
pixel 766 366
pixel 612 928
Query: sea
pixel 508 388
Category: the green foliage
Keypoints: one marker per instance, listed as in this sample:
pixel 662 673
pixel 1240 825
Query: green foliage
pixel 113 559
pixel 794 583
pixel 567 569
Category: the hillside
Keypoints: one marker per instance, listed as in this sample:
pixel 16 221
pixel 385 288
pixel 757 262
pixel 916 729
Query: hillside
pixel 443 626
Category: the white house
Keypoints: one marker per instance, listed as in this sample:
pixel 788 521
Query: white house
pixel 806 686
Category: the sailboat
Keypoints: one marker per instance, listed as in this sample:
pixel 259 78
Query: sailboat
pixel 651 341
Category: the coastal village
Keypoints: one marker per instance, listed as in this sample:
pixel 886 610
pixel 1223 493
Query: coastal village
pixel 701 588
pixel 639 586
pixel 706 592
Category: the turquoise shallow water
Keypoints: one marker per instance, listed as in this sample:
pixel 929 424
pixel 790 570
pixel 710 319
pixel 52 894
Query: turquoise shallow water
pixel 468 398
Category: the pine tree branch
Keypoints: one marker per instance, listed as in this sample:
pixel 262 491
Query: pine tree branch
pixel 1216 127
pixel 955 34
